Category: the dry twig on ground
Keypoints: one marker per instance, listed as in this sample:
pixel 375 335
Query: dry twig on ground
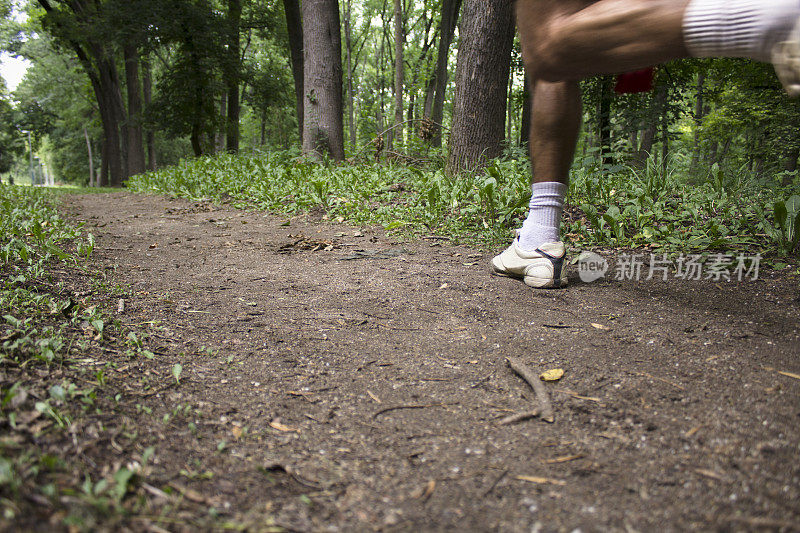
pixel 545 408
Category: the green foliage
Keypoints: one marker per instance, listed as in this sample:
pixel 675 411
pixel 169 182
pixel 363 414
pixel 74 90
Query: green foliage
pixel 12 145
pixel 650 208
pixel 32 232
pixel 787 217
pixel 55 104
pixel 611 205
pixel 32 237
pixel 185 103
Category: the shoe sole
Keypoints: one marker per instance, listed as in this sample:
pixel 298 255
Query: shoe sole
pixel 530 281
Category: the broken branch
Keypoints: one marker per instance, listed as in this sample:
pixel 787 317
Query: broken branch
pixel 545 407
pixel 519 417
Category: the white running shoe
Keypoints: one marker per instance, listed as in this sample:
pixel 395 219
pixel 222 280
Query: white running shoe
pixel 786 60
pixel 542 268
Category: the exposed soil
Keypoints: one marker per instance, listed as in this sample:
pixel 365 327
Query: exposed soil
pixel 357 382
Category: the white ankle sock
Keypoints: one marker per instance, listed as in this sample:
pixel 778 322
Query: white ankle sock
pixel 738 28
pixel 544 217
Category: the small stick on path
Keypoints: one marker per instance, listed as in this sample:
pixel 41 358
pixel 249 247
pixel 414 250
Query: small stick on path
pixel 545 408
pixel 518 417
pixel 376 414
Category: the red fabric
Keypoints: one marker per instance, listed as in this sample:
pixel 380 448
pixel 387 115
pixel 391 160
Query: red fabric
pixel 640 81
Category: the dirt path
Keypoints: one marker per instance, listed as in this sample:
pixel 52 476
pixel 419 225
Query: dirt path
pixel 674 418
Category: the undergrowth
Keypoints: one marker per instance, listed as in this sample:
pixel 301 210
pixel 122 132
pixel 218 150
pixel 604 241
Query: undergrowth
pixel 60 390
pixel 619 206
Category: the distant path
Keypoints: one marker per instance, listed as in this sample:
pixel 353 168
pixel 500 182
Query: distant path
pixel 674 418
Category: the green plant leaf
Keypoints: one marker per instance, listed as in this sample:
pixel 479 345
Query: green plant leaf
pixel 176 373
pixel 780 214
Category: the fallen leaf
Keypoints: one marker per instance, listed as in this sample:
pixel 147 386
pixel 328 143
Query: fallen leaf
pixel 541 480
pixel 710 474
pixel 563 459
pixel 424 492
pixel 276 424
pixel 600 326
pixel 692 431
pixel 236 431
pixel 554 374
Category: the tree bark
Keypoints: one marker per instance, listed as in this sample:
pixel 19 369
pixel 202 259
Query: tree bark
pixel 604 119
pixel 108 69
pixel 399 37
pixel 91 160
pixel 263 138
pixel 379 79
pixel 484 58
pixel 234 74
pixel 221 135
pixel 790 165
pixel 103 179
pixel 323 130
pixel 450 11
pixel 150 136
pixel 294 27
pixel 348 39
pixel 136 160
pixel 112 174
pixel 101 71
pixel 663 98
pixel 699 113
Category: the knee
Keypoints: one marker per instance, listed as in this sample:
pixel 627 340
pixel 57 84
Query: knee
pixel 543 52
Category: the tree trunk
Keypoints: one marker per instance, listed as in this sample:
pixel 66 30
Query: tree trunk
pixel 104 162
pixel 645 146
pixel 430 94
pixel 604 120
pixel 633 141
pixel 136 161
pixel 379 105
pixel 235 72
pixel 91 160
pixel 263 139
pixel 221 135
pixel 120 116
pixel 663 97
pixel 323 131
pixel 790 159
pixel 790 165
pixel 94 57
pixel 294 27
pixel 197 145
pixel 484 58
pixel 348 39
pixel 450 11
pixel 398 70
pixel 699 112
pixel 112 155
pixel 150 137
